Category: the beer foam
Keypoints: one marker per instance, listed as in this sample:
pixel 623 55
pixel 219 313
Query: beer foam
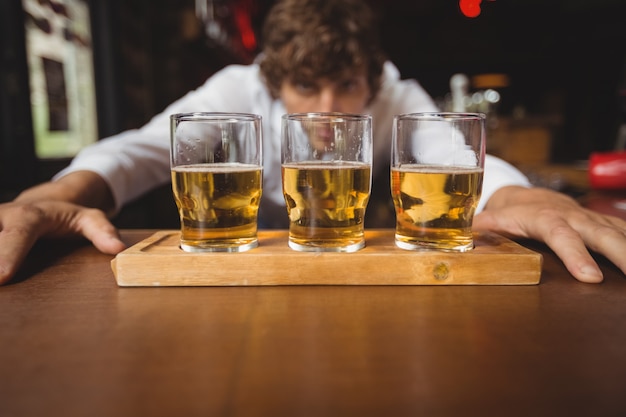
pixel 218 167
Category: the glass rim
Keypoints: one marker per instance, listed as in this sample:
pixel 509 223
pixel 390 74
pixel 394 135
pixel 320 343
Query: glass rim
pixel 442 115
pixel 216 116
pixel 325 115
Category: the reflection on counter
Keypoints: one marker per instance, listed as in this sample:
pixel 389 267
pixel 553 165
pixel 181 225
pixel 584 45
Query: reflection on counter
pixel 612 203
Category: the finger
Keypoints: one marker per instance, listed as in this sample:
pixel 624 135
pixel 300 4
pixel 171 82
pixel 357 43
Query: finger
pixel 18 233
pixel 94 225
pixel 13 249
pixel 549 227
pixel 569 246
pixel 606 236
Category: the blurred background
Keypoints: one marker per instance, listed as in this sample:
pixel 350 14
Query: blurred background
pixel 550 74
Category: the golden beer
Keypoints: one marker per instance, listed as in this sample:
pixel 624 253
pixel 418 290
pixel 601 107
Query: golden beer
pixel 435 206
pixel 326 204
pixel 218 205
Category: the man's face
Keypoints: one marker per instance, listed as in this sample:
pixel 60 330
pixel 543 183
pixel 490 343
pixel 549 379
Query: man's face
pixel 348 93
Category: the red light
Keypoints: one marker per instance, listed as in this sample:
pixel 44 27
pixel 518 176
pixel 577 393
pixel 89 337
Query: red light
pixel 470 8
pixel 242 12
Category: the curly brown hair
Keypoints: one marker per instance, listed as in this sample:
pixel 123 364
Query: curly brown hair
pixel 311 39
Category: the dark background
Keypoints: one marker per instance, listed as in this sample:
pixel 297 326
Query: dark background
pixel 565 59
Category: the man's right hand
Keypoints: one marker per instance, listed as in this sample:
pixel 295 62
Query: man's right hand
pixel 71 206
pixel 22 224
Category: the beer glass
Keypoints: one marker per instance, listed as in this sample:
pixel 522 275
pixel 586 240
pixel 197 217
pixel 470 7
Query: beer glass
pixel 437 162
pixel 217 173
pixel 327 175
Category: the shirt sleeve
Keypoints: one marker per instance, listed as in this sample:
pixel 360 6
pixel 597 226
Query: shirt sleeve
pixel 498 174
pixel 136 161
pixel 399 96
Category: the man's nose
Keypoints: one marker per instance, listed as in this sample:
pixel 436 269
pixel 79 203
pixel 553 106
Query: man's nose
pixel 328 100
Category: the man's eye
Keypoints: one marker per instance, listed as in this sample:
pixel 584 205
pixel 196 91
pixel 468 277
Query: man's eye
pixel 348 85
pixel 304 87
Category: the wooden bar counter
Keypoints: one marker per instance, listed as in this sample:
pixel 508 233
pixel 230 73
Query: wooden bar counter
pixel 73 343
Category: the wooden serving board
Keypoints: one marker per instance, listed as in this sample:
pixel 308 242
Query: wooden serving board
pixel 158 261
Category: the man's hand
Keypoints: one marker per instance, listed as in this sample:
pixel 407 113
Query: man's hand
pixel 21 224
pixel 560 222
pixel 56 209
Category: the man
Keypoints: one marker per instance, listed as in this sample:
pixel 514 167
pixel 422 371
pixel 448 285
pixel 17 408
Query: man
pixel 319 55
